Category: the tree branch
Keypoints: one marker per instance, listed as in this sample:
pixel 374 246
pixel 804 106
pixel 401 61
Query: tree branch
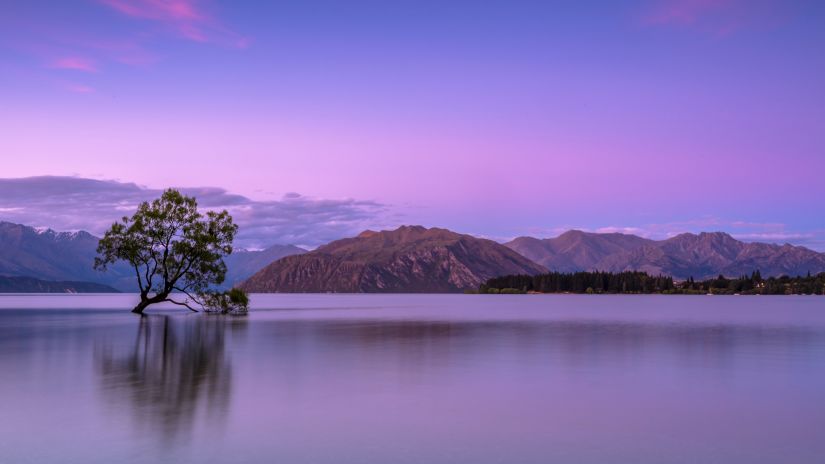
pixel 181 272
pixel 182 304
pixel 146 274
pixel 182 290
pixel 140 281
pixel 151 275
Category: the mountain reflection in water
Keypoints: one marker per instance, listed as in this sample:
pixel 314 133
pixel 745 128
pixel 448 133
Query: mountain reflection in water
pixel 443 379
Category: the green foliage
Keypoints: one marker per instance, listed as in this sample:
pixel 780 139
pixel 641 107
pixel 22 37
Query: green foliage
pixel 172 247
pixel 234 301
pixel 511 291
pixel 238 296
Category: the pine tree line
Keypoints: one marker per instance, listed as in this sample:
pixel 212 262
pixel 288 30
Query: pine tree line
pixel 643 283
pixel 580 282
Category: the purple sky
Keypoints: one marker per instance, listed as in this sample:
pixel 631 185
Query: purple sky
pixel 494 118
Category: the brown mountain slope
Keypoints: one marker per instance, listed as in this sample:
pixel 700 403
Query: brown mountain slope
pixel 686 255
pixel 710 254
pixel 575 250
pixel 409 259
pixel 242 264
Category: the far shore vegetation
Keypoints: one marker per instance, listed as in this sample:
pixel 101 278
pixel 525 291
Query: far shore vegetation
pixel 634 282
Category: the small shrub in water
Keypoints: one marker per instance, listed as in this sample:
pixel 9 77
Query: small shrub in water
pixel 234 301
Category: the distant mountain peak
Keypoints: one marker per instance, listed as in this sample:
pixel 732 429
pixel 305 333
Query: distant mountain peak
pixel 50 256
pixel 244 263
pixel 412 228
pixel 573 233
pixel 407 259
pixel 44 254
pixel 702 255
pixel 717 235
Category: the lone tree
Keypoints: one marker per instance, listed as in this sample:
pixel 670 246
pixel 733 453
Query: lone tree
pixel 173 248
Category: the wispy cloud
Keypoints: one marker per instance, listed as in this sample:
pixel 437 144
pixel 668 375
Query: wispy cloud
pixel 186 18
pixel 75 63
pixel 79 88
pixel 128 51
pixel 777 237
pixel 622 230
pixel 717 17
pixel 140 38
pixel 74 203
pixel 167 10
pixel 686 11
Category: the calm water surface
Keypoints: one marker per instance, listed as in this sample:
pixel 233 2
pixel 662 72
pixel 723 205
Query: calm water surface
pixel 415 379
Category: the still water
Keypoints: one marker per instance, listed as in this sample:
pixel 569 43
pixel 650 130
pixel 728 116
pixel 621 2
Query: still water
pixel 415 379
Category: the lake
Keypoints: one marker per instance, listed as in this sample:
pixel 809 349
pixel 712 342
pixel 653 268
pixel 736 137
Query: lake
pixel 415 379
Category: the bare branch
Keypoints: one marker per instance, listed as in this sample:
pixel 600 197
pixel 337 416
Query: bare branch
pixel 140 281
pixel 187 294
pixel 182 304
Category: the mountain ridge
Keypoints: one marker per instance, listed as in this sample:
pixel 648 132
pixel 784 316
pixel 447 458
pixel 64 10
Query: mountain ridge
pixel 56 256
pixel 411 259
pixel 242 264
pixel 51 256
pixel 48 255
pixel 23 284
pixel 702 255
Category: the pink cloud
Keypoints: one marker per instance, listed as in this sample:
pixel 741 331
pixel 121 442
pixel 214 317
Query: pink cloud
pixel 75 63
pixel 79 88
pixel 187 18
pixel 125 51
pixel 160 10
pixel 718 17
pixel 622 230
pixel 686 11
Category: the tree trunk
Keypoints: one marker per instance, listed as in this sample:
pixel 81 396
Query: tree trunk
pixel 144 302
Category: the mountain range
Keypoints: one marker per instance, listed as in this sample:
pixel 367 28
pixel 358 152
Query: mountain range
pixel 242 264
pixel 32 285
pixel 410 259
pixel 55 258
pixel 686 255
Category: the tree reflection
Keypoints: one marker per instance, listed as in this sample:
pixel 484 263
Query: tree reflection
pixel 176 371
